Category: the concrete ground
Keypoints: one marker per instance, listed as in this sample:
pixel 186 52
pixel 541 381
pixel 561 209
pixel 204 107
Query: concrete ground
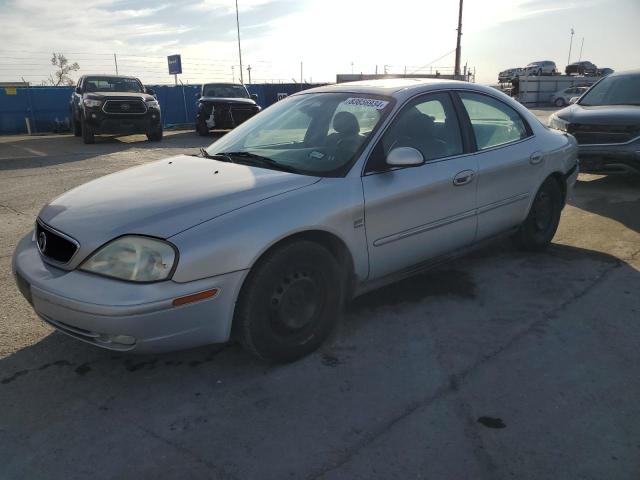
pixel 500 365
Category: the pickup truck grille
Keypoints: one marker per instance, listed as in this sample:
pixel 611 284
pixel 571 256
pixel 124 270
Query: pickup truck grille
pixel 229 116
pixel 53 244
pixel 603 134
pixel 124 107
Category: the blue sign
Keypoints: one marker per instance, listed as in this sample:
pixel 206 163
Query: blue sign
pixel 175 64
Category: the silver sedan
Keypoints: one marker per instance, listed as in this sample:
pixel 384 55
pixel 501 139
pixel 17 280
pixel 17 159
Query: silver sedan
pixel 264 235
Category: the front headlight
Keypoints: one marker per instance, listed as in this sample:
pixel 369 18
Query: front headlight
pixel 133 258
pixel 558 123
pixel 153 104
pixel 91 102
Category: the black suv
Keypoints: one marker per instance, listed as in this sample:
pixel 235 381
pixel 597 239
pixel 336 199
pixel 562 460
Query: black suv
pixel 114 104
pixel 224 106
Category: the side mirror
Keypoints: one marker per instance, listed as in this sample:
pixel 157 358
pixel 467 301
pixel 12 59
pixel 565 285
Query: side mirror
pixel 573 100
pixel 78 90
pixel 150 91
pixel 254 97
pixel 405 157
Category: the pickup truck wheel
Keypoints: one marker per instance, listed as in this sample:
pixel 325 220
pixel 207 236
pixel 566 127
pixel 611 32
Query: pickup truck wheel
pixel 88 133
pixel 77 128
pixel 155 135
pixel 289 303
pixel 541 224
pixel 202 129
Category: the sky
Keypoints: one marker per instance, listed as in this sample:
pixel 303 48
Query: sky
pixel 326 36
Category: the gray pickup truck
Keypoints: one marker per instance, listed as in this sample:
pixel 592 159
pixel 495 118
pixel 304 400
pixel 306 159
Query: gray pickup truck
pixel 224 106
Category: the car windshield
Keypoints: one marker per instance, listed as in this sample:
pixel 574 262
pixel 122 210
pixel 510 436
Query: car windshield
pixel 614 90
pixel 112 84
pixel 312 134
pixel 224 91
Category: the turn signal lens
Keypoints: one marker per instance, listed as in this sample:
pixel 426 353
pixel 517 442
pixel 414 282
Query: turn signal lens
pixel 195 297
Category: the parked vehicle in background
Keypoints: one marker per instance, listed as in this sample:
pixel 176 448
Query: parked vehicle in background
pixel 224 106
pixel 325 195
pixel 603 72
pixel 584 67
pixel 563 97
pixel 606 123
pixel 543 67
pixel 114 104
pixel 508 75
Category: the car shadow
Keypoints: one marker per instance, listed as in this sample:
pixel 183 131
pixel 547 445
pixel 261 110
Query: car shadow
pixel 613 196
pixel 50 150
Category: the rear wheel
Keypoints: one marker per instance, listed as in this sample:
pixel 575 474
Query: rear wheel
pixel 88 133
pixel 290 302
pixel 541 224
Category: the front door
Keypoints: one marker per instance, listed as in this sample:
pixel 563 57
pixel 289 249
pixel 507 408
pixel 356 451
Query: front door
pixel 417 213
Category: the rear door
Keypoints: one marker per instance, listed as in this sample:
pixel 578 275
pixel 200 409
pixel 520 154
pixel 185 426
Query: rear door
pixel 508 163
pixel 417 213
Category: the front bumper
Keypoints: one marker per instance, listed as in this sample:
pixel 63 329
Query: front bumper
pixel 122 123
pixel 624 158
pixel 123 316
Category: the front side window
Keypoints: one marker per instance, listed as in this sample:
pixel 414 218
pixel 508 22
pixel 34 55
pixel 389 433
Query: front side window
pixel 494 123
pixel 429 124
pixel 313 134
pixel 221 90
pixel 112 84
pixel 615 90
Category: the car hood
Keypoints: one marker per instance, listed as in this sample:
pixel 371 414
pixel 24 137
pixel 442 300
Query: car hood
pixel 162 198
pixel 124 95
pixel 237 101
pixel 601 114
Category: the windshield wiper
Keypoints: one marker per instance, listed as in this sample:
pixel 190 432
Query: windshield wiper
pixel 218 156
pixel 259 160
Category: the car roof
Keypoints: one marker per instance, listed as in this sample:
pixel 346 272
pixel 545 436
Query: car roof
pixel 108 75
pixel 396 87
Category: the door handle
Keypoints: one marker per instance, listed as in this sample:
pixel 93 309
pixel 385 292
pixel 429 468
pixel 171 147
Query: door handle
pixel 462 178
pixel 535 158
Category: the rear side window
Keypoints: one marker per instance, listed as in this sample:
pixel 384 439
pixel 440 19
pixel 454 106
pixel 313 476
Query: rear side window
pixel 494 123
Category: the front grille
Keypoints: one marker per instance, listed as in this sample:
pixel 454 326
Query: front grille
pixel 124 107
pixel 53 244
pixel 603 134
pixel 229 116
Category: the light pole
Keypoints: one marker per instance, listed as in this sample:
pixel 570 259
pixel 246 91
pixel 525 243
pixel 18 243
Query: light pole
pixel 456 70
pixel 239 49
pixel 570 45
pixel 233 73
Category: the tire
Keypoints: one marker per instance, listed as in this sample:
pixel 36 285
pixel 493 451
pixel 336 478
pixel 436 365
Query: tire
pixel 202 129
pixel 77 127
pixel 155 135
pixel 290 302
pixel 559 102
pixel 540 226
pixel 88 133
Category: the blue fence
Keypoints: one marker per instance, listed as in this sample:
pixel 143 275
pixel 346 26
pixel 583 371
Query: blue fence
pixel 47 108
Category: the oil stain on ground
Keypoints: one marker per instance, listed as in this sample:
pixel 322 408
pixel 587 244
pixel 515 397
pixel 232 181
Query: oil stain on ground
pixel 456 283
pixel 491 422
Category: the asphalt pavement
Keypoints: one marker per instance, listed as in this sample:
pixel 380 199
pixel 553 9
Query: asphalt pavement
pixel 499 365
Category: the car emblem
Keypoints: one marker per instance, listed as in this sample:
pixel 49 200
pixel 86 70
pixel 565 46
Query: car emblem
pixel 42 241
pixel 124 107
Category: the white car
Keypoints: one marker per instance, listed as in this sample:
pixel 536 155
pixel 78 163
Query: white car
pixel 563 97
pixel 543 67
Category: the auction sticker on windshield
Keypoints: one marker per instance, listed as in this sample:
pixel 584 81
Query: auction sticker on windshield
pixel 366 102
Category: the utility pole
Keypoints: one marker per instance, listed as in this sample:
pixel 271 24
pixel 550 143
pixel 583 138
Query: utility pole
pixel 581 45
pixel 239 49
pixel 352 67
pixel 456 71
pixel 300 75
pixel 570 45
pixel 249 72
pixel 233 73
pixel 115 60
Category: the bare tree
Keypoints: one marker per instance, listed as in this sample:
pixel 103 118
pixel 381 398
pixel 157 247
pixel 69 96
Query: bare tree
pixel 61 75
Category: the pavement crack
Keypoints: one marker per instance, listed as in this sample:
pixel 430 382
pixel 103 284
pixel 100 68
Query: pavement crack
pixel 11 209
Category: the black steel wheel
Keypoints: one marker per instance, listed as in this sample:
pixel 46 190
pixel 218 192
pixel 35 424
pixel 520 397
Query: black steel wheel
pixel 289 303
pixel 155 135
pixel 541 224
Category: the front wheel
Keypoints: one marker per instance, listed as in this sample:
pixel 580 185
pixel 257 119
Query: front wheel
pixel 541 224
pixel 155 135
pixel 88 133
pixel 559 102
pixel 289 303
pixel 202 129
